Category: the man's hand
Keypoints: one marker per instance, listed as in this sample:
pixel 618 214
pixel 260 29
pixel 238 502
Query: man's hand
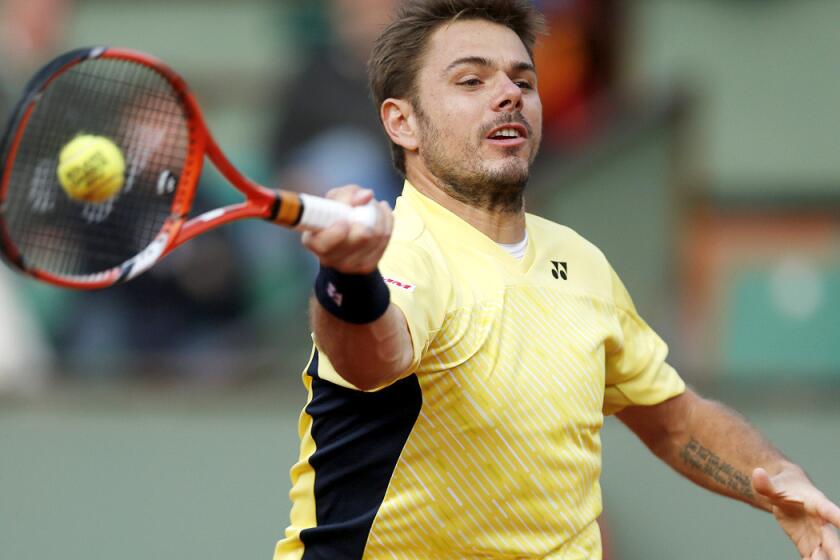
pixel 352 248
pixel 805 514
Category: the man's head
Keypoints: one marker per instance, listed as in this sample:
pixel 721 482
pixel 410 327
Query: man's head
pixel 456 87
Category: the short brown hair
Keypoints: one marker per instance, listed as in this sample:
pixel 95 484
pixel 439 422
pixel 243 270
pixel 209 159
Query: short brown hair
pixel 396 55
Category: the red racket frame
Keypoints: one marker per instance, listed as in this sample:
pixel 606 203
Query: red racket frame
pixel 282 207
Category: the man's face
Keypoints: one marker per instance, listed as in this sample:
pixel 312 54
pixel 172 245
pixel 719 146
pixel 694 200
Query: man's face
pixel 479 114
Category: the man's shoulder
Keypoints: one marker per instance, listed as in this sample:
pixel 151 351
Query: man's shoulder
pixel 408 223
pixel 411 243
pixel 542 229
pixel 584 265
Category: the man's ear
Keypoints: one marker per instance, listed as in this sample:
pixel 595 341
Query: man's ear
pixel 398 118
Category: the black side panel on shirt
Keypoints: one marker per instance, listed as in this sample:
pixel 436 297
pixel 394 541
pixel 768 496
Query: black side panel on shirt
pixel 358 440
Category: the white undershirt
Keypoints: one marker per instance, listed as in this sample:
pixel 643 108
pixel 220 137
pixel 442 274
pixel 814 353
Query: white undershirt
pixel 516 250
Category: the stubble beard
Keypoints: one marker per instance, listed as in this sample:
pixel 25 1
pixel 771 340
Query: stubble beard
pixel 464 177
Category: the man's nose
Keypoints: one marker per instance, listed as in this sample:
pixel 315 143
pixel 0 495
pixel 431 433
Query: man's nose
pixel 509 97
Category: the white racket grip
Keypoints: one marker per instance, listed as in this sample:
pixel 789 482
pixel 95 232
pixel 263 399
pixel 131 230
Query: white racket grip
pixel 319 213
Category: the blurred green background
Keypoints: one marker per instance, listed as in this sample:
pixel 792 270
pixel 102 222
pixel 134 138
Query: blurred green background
pixel 694 141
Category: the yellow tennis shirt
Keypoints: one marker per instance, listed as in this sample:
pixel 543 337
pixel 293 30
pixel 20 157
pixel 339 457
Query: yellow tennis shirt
pixel 488 447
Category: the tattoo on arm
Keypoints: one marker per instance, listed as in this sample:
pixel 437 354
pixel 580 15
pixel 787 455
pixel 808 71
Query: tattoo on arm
pixel 704 460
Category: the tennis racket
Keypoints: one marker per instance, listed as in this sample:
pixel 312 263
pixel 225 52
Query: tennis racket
pixel 147 111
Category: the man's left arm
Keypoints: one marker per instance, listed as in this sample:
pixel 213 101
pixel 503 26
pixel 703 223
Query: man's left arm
pixel 716 448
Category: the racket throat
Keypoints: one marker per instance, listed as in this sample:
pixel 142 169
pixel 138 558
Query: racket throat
pixel 286 209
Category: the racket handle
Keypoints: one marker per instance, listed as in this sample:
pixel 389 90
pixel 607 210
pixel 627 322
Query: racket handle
pixel 319 213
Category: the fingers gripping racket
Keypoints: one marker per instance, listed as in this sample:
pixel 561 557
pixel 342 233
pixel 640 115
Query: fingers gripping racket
pixel 145 112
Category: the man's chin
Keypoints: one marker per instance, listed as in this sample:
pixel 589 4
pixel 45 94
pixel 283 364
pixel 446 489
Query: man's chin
pixel 510 177
pixel 503 157
pixel 514 168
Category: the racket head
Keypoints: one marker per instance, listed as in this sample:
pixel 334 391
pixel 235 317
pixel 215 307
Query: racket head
pixel 146 110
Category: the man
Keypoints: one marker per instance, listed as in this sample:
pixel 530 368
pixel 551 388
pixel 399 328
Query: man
pixel 455 407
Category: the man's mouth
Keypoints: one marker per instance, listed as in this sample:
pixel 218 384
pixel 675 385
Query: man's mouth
pixel 508 135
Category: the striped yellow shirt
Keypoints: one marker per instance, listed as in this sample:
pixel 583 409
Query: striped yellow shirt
pixel 488 447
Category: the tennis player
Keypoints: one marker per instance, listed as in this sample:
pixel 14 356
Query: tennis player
pixel 466 352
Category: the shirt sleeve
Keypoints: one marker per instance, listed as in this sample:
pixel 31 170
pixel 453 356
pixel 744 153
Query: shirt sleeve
pixel 636 370
pixel 420 289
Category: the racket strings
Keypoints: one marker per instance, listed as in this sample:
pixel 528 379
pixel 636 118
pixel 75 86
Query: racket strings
pixel 51 238
pixel 136 108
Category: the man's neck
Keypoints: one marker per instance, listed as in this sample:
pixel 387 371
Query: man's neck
pixel 501 227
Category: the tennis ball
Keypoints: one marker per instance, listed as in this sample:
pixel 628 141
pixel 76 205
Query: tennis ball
pixel 91 168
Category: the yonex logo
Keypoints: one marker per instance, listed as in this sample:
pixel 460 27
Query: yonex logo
pixel 560 270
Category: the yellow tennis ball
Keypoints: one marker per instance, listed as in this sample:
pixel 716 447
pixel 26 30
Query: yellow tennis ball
pixel 91 168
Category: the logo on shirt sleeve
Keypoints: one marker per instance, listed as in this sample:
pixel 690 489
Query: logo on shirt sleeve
pixel 400 284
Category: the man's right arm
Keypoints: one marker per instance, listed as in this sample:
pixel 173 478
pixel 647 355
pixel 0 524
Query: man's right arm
pixel 368 356
pixel 374 353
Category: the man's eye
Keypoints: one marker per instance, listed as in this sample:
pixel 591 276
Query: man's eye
pixel 524 84
pixel 472 82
